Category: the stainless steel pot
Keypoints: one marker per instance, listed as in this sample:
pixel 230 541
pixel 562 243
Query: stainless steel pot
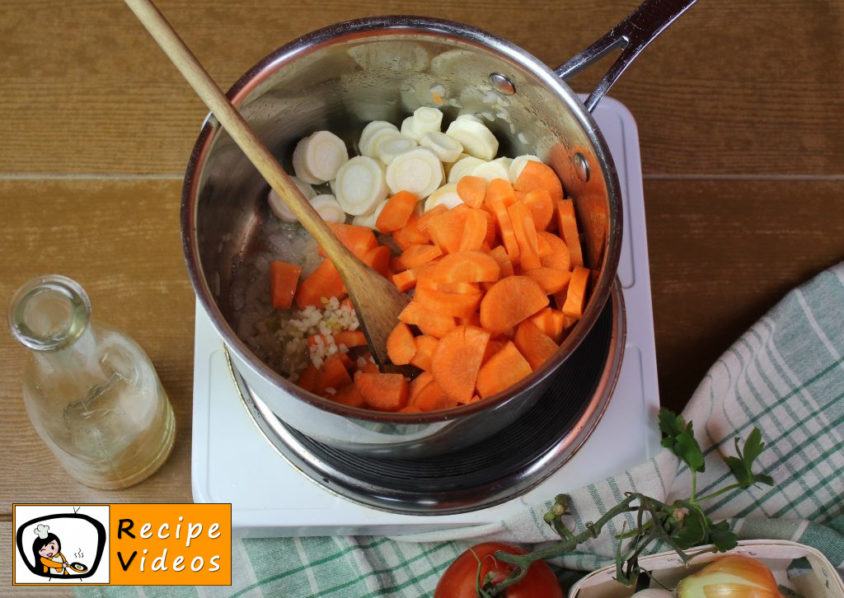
pixel 383 68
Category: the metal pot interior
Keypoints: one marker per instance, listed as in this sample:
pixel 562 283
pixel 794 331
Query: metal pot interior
pixel 339 79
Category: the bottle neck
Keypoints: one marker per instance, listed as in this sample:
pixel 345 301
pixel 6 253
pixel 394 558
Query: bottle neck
pixel 50 314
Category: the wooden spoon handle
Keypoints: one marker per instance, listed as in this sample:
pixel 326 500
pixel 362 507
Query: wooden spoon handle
pixel 235 125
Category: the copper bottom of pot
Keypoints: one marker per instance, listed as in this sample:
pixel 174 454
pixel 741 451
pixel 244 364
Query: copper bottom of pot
pixel 500 468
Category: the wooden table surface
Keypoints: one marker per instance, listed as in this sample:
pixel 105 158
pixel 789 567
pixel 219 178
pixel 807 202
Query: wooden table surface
pixel 739 107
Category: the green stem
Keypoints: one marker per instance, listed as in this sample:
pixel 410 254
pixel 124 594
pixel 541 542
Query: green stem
pixel 720 492
pixel 521 562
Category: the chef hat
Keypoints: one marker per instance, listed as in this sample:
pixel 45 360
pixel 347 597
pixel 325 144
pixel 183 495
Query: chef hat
pixel 42 530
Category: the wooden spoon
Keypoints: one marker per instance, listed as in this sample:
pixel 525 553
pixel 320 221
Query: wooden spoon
pixel 376 299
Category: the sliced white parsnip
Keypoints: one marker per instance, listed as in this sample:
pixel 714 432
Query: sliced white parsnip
pixel 329 208
pixel 390 147
pixel 368 220
pixel 445 195
pixel 518 164
pixel 427 120
pixel 475 136
pixel 325 154
pixel 446 148
pixel 280 209
pixel 365 143
pixel 360 185
pixel 300 164
pixel 407 127
pixel 463 167
pixel 418 171
pixel 491 170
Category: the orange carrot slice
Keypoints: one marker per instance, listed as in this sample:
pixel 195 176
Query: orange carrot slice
pixel 550 279
pixel 425 219
pixel 418 255
pixel 405 280
pixel 458 305
pixel 536 346
pixel 425 347
pixel 475 227
pixel 334 375
pixel 499 190
pixel 349 395
pixel 568 230
pixel 323 283
pixel 308 378
pixel 553 251
pixel 537 175
pixel 493 346
pixel 426 394
pixel 458 359
pixel 378 258
pixel 396 212
pixel 350 338
pixel 357 239
pixel 467 266
pixel 383 392
pixel 411 233
pixel 471 190
pixel 525 231
pixel 427 321
pixel 505 227
pixel 447 229
pixel 509 301
pixel 549 321
pixel 576 295
pixel 284 278
pixel 502 370
pixel 541 207
pixel 499 253
pixel 401 347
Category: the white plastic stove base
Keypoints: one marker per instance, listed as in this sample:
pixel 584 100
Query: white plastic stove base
pixel 233 463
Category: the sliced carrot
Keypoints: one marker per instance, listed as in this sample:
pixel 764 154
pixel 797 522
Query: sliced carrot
pixel 350 338
pixel 499 253
pixel 493 346
pixel 525 231
pixel 348 395
pixel 538 175
pixel 505 228
pixel 417 384
pixel 426 394
pixel 456 361
pixel 425 219
pixel 308 378
pixel 378 258
pixel 396 212
pixel 405 280
pixel 509 301
pixel 418 255
pixel 536 346
pixel 383 392
pixel 284 278
pixel 499 190
pixel 458 305
pixel 550 279
pixel 425 347
pixel 568 230
pixel 502 370
pixel 541 207
pixel 467 266
pixel 411 233
pixel 365 363
pixel 475 227
pixel 576 295
pixel 323 283
pixel 549 321
pixel 553 251
pixel 357 239
pixel 401 347
pixel 428 322
pixel 471 190
pixel 491 230
pixel 334 375
pixel 446 229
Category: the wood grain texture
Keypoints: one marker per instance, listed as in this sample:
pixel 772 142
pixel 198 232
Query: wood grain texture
pixel 731 87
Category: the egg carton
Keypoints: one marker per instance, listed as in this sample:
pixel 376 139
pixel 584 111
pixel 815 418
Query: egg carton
pixel 820 581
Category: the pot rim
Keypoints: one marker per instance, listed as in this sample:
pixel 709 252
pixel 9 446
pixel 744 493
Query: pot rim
pixel 434 28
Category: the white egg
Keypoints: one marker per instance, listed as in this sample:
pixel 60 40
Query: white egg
pixel 653 593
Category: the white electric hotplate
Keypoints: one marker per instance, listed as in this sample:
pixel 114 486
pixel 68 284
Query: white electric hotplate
pixel 233 462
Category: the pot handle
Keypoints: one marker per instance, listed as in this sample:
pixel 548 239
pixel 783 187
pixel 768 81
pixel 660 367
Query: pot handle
pixel 635 32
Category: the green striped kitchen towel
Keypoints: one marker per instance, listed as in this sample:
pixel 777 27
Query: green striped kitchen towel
pixel 784 376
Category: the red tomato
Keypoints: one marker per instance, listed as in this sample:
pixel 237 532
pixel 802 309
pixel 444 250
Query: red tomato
pixel 460 578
